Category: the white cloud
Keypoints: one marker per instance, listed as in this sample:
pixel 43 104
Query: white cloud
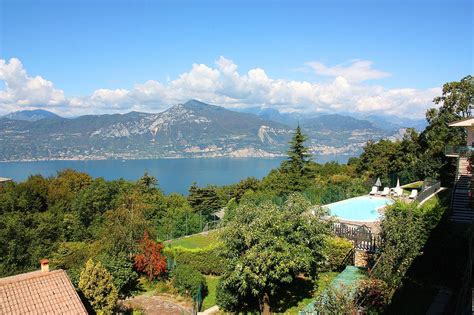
pixel 23 91
pixel 355 70
pixel 224 85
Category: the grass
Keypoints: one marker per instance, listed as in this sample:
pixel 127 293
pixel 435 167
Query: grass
pixel 195 241
pixel 210 299
pixel 304 296
pixel 438 199
pixel 415 185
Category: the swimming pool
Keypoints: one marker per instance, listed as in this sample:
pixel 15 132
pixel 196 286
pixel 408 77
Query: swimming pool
pixel 363 208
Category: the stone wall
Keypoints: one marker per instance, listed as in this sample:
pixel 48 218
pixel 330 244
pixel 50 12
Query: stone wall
pixel 363 258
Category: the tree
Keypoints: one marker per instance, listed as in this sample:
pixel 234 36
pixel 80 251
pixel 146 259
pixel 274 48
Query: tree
pixel 204 200
pixel 64 187
pixel 267 246
pixel 150 260
pixel 97 286
pixel 457 101
pixel 297 167
pixel 178 218
pixel 91 202
pixel 147 182
pixel 120 266
pixel 125 225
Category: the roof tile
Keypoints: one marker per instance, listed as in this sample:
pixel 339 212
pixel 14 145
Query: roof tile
pixel 39 293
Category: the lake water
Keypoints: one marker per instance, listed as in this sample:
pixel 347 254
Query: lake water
pixel 174 175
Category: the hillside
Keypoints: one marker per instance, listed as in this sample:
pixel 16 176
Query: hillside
pixel 192 129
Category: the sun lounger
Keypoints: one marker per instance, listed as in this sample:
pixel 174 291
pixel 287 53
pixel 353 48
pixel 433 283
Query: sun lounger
pixel 385 191
pixel 374 190
pixel 413 194
pixel 397 191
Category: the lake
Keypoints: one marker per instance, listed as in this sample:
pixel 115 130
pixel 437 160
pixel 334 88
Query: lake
pixel 174 175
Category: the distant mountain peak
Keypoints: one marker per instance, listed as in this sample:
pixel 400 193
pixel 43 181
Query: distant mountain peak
pixel 31 115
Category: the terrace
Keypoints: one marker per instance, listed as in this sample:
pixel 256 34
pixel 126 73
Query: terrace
pixel 458 151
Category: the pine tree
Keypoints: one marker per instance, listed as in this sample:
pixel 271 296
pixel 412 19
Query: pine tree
pixel 97 286
pixel 297 166
pixel 204 200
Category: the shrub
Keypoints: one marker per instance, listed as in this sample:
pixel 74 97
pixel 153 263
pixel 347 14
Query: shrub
pixel 187 281
pixel 373 295
pixel 96 284
pixel 335 250
pixel 404 233
pixel 336 300
pixel 206 260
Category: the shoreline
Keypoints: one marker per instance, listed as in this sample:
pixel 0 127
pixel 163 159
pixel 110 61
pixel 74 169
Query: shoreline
pixel 163 158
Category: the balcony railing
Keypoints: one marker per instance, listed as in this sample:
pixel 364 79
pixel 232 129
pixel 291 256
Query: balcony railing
pixel 455 150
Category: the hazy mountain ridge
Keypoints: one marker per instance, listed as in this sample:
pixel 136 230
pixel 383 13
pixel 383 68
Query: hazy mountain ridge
pixel 192 129
pixel 30 115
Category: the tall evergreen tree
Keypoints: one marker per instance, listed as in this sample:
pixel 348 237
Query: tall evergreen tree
pixel 297 165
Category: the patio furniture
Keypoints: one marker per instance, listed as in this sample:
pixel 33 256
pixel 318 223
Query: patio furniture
pixel 413 194
pixel 374 190
pixel 385 191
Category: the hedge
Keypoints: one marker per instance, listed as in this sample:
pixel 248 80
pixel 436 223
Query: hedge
pixel 187 281
pixel 206 260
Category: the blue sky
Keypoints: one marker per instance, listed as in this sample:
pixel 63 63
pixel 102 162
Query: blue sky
pixel 83 46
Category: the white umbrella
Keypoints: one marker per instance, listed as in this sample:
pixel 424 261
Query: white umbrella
pixel 398 183
pixel 378 183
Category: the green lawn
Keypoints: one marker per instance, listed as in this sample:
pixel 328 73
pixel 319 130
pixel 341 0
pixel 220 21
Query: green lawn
pixel 195 241
pixel 210 299
pixel 415 185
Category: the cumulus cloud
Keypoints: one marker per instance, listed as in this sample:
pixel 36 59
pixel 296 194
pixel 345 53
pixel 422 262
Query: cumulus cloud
pixel 223 84
pixel 355 70
pixel 21 90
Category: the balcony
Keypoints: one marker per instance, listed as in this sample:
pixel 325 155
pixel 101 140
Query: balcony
pixel 458 151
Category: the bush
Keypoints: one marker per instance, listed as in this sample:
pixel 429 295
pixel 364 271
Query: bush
pixel 187 281
pixel 373 295
pixel 96 284
pixel 335 251
pixel 206 260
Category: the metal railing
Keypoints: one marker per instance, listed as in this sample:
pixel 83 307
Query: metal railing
pixel 361 235
pixel 456 150
pixel 428 190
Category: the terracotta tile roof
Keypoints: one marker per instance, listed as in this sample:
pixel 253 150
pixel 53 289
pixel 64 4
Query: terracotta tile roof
pixel 39 293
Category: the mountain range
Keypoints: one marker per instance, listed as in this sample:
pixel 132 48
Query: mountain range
pixel 192 129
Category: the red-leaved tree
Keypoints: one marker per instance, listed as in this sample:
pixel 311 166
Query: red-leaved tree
pixel 150 260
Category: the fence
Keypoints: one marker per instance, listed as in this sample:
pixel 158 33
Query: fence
pixel 429 188
pixel 361 235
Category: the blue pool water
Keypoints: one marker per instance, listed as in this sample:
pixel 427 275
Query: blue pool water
pixel 362 208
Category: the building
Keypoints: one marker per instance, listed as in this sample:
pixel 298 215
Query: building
pixel 40 292
pixel 4 180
